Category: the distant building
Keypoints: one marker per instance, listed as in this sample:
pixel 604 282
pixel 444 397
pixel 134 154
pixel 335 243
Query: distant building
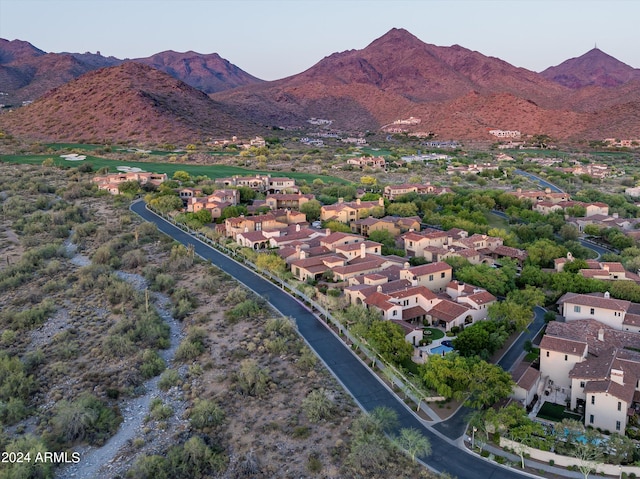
pixel 505 133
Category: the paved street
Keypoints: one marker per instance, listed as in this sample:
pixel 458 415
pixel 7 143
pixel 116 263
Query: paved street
pixel 368 391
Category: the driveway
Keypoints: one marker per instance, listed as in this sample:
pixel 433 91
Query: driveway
pixel 365 387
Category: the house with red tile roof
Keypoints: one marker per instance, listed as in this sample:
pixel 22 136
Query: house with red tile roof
pixel 435 276
pixel 410 304
pixel 527 381
pixel 415 243
pixel 392 192
pixel 597 367
pixel 263 183
pixel 367 161
pixel 591 209
pixel 335 240
pixel 447 314
pixel 359 250
pixel 275 220
pixel 312 268
pixel 370 224
pixel 407 300
pixel 346 212
pixel 615 313
pixel 536 196
pixel 111 182
pixel 294 201
pixel 361 266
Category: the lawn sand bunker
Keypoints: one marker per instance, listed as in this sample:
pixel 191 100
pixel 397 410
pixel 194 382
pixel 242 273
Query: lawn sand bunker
pixel 129 169
pixel 74 157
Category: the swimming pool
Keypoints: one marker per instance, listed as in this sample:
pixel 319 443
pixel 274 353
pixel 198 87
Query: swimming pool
pixel 442 349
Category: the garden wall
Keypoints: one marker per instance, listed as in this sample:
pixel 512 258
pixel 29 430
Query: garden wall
pixel 565 461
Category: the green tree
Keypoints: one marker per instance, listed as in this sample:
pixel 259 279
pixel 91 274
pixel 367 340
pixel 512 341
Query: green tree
pixel 246 194
pixel 517 314
pixel 181 176
pixel 542 253
pixel 368 180
pixel 454 376
pixel 569 232
pixel 336 227
pixel 495 386
pixel 592 230
pixel 233 212
pixel 272 263
pixel 529 297
pixel 203 216
pixel 311 209
pixel 402 209
pixel 575 266
pixel 620 449
pixel 387 338
pixel 497 281
pixel 166 203
pixel 413 442
pixel 129 188
pixel 523 435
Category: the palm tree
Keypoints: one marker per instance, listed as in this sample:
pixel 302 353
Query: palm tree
pixel 414 443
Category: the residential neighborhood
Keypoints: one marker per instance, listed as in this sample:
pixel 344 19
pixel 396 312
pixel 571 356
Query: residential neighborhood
pixel 418 258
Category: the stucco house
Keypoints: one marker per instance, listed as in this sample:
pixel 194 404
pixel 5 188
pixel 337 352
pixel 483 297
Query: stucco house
pixel 346 212
pixel 391 192
pixel 111 182
pixel 527 381
pixel 434 276
pixel 277 201
pixel 596 367
pixel 615 313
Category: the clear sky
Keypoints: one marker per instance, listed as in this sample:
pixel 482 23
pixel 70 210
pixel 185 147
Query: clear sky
pixel 272 39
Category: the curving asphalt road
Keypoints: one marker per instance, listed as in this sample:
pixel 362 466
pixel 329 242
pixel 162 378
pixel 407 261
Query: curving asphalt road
pixel 368 391
pixel 542 182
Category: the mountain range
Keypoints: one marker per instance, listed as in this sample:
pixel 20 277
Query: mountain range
pixel 456 92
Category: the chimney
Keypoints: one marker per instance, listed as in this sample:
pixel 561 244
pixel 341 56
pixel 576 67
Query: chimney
pixel 607 295
pixel 615 215
pixel 379 288
pixel 297 227
pixel 406 265
pixel 600 334
pixel 340 201
pixel 358 201
pixel 303 254
pixel 380 201
pixel 363 250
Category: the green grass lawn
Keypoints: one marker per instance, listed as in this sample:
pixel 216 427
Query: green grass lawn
pixel 212 171
pixel 556 413
pixel 435 333
pixel 72 146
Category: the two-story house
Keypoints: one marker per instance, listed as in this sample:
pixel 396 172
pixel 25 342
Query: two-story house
pixel 596 367
pixel 615 313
